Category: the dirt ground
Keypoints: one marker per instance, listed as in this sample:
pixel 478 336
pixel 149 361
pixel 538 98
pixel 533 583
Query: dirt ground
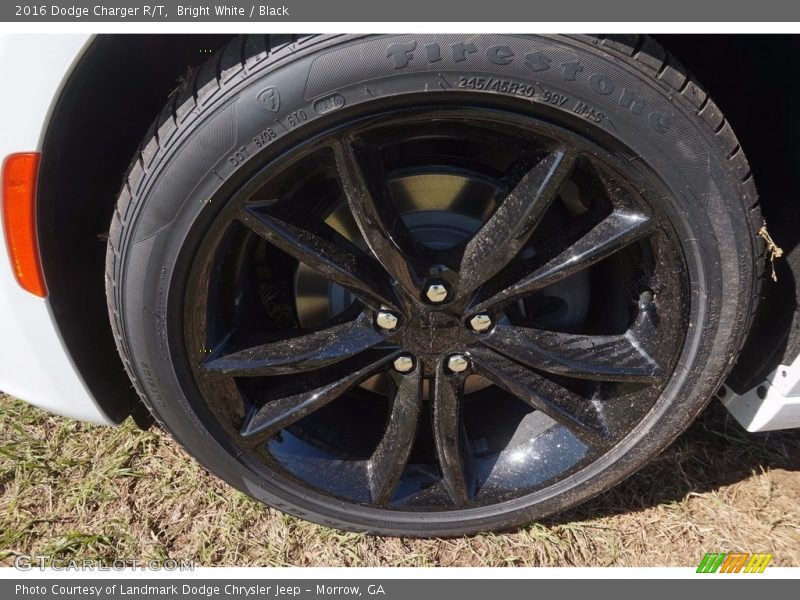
pixel 81 491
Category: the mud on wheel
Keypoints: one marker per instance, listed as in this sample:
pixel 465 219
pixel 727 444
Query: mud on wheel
pixel 425 285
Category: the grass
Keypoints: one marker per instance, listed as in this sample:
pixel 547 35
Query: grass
pixel 81 491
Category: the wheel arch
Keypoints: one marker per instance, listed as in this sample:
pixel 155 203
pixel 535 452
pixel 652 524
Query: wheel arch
pixel 98 120
pixel 121 83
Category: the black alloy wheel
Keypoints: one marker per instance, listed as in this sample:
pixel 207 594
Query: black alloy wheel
pixel 422 314
pixel 417 310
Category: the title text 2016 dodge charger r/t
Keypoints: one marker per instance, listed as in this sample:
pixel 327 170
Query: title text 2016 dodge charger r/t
pixel 406 284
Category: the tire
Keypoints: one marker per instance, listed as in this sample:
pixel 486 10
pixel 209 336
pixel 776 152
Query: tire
pixel 647 134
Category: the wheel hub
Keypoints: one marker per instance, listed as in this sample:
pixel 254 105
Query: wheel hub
pixel 432 333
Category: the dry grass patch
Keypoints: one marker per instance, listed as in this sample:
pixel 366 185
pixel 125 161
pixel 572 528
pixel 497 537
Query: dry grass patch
pixel 82 491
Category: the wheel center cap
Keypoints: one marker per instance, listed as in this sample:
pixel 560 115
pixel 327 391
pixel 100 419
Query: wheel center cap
pixel 432 333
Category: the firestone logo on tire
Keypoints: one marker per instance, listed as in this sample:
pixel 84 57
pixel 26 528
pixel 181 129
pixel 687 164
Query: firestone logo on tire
pixel 270 98
pixel 601 84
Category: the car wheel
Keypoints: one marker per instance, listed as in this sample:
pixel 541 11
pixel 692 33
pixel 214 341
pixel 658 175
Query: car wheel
pixel 433 285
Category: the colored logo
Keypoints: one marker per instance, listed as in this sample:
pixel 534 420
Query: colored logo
pixel 734 562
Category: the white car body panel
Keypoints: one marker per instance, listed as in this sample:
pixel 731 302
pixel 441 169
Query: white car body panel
pixel 34 363
pixel 775 404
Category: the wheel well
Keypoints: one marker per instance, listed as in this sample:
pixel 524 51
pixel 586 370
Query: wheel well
pixel 116 90
pixel 122 81
pixel 747 77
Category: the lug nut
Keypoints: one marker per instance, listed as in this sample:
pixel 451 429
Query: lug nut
pixel 436 293
pixel 404 364
pixel 457 363
pixel 480 322
pixel 386 320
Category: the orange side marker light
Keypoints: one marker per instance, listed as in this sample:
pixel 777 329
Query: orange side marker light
pixel 19 220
